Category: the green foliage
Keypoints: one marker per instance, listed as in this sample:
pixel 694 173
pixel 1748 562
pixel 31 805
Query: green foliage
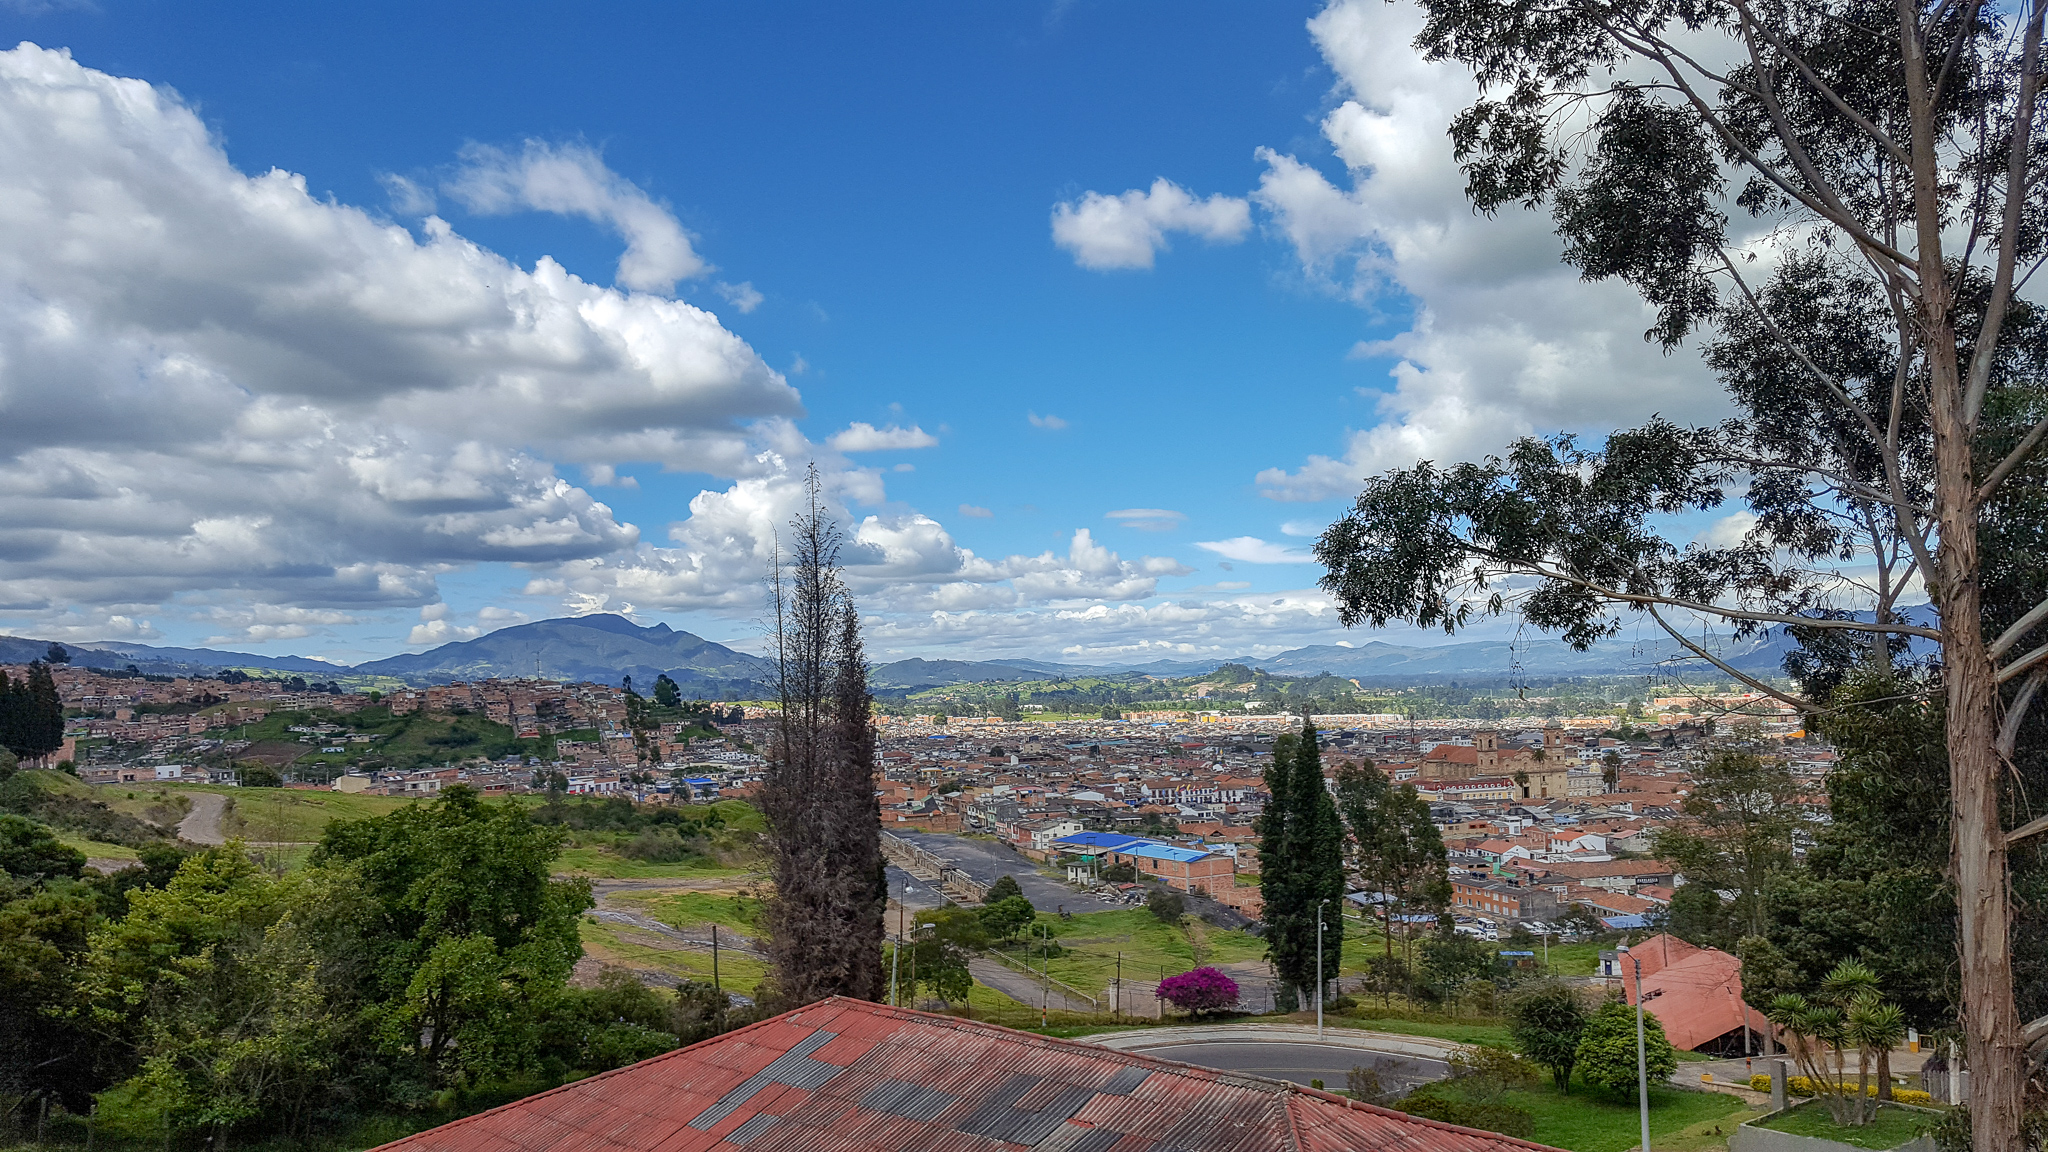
pixel 941 943
pixel 666 693
pixel 31 715
pixel 1166 905
pixel 1301 862
pixel 663 844
pixel 64 803
pixel 31 852
pixel 1607 1049
pixel 1547 1021
pixel 1004 918
pixel 1005 887
pixel 1435 1102
pixel 256 774
pixel 470 937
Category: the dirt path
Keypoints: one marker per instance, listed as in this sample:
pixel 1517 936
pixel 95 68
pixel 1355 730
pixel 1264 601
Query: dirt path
pixel 1026 990
pixel 202 824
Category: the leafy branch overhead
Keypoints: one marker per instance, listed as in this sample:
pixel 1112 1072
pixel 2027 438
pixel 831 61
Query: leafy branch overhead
pixel 1844 202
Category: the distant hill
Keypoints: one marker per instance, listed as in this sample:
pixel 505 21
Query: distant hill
pixel 599 648
pixel 913 674
pixel 1539 656
pixel 161 661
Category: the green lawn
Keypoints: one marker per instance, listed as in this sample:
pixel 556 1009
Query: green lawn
pixel 692 909
pixel 98 850
pixel 1149 947
pixel 1591 1120
pixel 603 863
pixel 1890 1128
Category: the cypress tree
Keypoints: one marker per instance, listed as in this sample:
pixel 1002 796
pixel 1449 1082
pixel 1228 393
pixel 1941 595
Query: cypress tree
pixel 1320 845
pixel 1279 886
pixel 1301 864
pixel 31 714
pixel 825 921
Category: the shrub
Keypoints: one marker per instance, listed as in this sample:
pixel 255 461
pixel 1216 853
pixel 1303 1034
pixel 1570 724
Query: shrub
pixel 1802 1086
pixel 661 845
pixel 1167 905
pixel 1199 991
pixel 1432 1103
pixel 1607 1049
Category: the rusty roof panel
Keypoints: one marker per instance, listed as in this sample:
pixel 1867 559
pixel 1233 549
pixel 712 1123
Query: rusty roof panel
pixel 850 1076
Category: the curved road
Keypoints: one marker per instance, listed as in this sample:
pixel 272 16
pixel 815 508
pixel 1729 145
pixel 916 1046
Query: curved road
pixel 1294 1052
pixel 1302 1062
pixel 202 824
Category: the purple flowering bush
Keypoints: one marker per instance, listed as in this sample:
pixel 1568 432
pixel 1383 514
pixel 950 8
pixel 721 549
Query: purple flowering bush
pixel 1199 991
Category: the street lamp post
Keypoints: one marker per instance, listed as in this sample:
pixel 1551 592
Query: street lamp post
pixel 1320 906
pixel 1642 1057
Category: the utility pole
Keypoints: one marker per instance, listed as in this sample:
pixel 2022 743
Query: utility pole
pixel 715 987
pixel 896 957
pixel 1320 905
pixel 1642 1058
pixel 1118 1011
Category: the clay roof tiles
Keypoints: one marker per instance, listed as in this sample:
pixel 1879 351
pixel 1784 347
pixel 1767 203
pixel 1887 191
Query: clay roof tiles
pixel 850 1076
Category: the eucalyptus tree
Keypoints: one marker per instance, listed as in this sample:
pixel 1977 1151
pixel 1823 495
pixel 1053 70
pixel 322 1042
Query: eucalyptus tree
pixel 1868 324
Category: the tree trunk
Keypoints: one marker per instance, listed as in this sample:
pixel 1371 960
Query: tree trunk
pixel 1990 1017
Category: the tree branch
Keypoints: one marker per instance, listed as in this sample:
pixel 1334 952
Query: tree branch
pixel 2027 831
pixel 2022 664
pixel 1840 217
pixel 1643 600
pixel 2018 630
pixel 1702 653
pixel 2009 229
pixel 1827 92
pixel 2009 730
pixel 2013 459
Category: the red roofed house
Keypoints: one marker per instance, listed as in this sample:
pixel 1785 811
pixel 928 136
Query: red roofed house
pixel 1695 992
pixel 850 1076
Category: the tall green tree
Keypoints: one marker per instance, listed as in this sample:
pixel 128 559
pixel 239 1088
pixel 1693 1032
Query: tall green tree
pixel 1740 816
pixel 1301 863
pixel 31 714
pixel 1882 359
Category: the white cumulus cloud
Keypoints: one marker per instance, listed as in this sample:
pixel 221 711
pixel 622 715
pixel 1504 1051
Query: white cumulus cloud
pixel 863 437
pixel 1128 230
pixel 572 180
pixel 1252 550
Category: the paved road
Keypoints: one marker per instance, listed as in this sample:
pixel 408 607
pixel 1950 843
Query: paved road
pixel 202 824
pixel 1021 988
pixel 987 860
pixel 1302 1062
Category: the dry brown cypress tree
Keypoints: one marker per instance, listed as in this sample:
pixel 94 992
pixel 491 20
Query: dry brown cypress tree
pixel 825 920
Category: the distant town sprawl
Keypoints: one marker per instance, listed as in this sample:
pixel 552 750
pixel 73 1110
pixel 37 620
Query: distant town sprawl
pixel 1544 820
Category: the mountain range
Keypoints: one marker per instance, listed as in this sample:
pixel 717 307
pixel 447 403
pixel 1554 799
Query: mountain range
pixel 604 648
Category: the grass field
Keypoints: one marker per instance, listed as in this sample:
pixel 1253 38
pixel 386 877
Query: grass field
pixel 1590 1120
pixel 629 948
pixel 1890 1128
pixel 602 863
pixel 1149 947
pixel 98 850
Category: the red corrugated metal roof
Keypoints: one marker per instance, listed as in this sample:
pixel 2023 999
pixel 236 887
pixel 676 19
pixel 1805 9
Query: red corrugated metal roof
pixel 850 1076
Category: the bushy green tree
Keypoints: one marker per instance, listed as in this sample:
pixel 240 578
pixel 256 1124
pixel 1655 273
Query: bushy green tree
pixel 666 692
pixel 1006 917
pixel 941 944
pixel 470 937
pixel 1547 1019
pixel 31 853
pixel 1005 887
pixel 1607 1049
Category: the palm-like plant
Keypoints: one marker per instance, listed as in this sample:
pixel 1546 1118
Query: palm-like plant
pixel 1848 1013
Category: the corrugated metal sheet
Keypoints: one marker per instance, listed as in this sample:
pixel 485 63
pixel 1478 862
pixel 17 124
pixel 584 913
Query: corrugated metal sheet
pixel 850 1076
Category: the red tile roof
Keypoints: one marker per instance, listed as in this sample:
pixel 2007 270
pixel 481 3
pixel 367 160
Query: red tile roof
pixel 1696 993
pixel 850 1076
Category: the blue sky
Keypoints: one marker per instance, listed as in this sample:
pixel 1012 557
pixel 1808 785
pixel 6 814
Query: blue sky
pixel 864 196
